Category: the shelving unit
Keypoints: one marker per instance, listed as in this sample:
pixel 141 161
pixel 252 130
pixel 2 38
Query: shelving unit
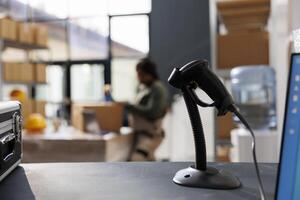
pixel 4 44
pixel 240 39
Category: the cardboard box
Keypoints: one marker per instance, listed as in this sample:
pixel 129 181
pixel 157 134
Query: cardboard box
pixel 30 106
pixel 40 35
pixel 25 33
pixel 109 115
pixel 40 73
pixel 3 28
pixel 19 72
pixel 27 108
pixel 12 29
pixel 242 49
pixel 39 106
pixel 244 14
pixel 8 28
pixel 12 72
pixel 7 71
pixel 27 72
pixel 224 126
pixel 224 5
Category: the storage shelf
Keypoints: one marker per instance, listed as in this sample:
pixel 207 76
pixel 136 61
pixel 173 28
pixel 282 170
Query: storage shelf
pixel 24 83
pixel 19 45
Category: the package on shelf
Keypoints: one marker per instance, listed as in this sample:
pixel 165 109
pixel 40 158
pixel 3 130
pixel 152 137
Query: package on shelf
pixel 27 107
pixel 8 28
pixel 39 106
pixel 240 15
pixel 25 33
pixel 224 126
pixel 18 72
pixel 235 49
pixel 40 35
pixel 40 73
pixel 7 74
pixel 11 72
pixel 27 72
pixel 30 106
pixel 108 115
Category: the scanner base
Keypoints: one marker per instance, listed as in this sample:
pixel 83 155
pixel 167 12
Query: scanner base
pixel 211 178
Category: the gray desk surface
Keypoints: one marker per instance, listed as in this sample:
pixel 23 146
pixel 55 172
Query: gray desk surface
pixel 124 181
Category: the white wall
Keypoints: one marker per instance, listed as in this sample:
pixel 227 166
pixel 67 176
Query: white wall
pixel 295 5
pixel 179 143
pixel 279 29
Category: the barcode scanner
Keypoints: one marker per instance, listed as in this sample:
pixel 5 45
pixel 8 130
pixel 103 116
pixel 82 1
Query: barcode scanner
pixel 197 74
pixel 187 78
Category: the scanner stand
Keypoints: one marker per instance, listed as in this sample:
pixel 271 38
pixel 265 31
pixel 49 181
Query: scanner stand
pixel 199 175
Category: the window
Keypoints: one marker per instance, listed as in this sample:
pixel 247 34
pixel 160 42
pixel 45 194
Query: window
pixel 88 38
pixel 79 33
pixel 130 43
pixel 18 9
pixel 129 6
pixel 55 79
pixel 53 90
pixel 124 80
pixel 87 82
pixel 49 10
pixel 88 8
pixel 130 36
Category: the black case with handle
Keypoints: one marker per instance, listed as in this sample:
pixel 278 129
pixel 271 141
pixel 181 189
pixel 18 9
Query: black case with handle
pixel 10 137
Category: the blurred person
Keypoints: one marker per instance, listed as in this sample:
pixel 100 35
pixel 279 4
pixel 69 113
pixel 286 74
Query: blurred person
pixel 147 113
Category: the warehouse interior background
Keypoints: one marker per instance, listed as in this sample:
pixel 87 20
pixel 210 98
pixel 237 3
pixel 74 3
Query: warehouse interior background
pixel 59 57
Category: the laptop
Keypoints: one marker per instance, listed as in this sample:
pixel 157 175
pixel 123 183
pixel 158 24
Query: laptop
pixel 288 179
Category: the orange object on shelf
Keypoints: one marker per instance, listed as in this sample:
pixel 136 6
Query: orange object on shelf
pixel 18 95
pixel 35 123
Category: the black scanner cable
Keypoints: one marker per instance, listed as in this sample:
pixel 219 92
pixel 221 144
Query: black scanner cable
pixel 198 74
pixel 235 110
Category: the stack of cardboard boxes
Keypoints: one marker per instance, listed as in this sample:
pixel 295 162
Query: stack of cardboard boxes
pixel 8 29
pixel 30 106
pixel 24 73
pixel 246 42
pixel 22 32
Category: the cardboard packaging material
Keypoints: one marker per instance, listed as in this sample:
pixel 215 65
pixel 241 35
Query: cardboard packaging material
pixel 243 49
pixel 238 15
pixel 40 35
pixel 27 72
pixel 27 107
pixel 39 107
pixel 7 71
pixel 40 73
pixel 11 72
pixel 8 28
pixel 109 115
pixel 25 33
pixel 3 28
pixel 24 72
pixel 224 126
pixel 30 106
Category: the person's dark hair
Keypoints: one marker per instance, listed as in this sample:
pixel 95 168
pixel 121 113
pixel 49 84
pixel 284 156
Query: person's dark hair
pixel 148 67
